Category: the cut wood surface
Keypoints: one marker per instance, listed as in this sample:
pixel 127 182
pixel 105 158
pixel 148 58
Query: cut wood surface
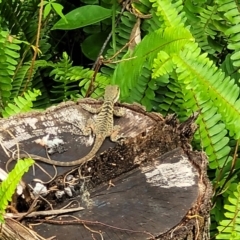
pixel 148 185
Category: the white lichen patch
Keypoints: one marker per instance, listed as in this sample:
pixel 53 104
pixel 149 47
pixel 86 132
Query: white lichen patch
pixel 70 115
pixel 48 123
pixel 31 122
pixel 54 130
pixel 45 141
pixel 167 175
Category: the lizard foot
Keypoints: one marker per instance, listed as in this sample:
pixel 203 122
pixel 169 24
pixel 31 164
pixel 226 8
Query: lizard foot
pixel 115 136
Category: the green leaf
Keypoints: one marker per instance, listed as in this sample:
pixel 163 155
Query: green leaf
pixel 58 8
pixel 46 10
pixel 21 104
pixel 83 16
pixel 9 185
pixel 93 44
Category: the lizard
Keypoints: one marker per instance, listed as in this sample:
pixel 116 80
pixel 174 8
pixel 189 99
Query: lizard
pixel 102 127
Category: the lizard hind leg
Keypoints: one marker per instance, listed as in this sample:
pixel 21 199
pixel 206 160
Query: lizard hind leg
pixel 115 136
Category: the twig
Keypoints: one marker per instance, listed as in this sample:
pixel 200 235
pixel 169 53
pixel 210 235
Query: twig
pixel 36 45
pixel 44 213
pixel 80 221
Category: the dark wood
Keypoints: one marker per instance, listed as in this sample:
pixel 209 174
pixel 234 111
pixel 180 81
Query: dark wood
pixel 160 185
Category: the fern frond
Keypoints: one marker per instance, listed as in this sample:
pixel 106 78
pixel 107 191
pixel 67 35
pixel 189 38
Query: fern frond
pixel 64 87
pixel 9 51
pixel 229 69
pixel 9 185
pixel 205 25
pixel 169 12
pixel 229 227
pixel 230 10
pixel 208 16
pixel 212 133
pixel 142 93
pixel 22 78
pixel 21 104
pixel 199 73
pixel 162 65
pixel 169 96
pixel 21 17
pixel 84 75
pixel 152 24
pixel 68 80
pixel 201 38
pixel 171 40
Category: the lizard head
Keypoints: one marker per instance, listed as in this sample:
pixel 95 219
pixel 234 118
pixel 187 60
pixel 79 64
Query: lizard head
pixel 112 93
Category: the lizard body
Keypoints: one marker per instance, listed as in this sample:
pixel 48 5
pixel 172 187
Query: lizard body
pixel 102 127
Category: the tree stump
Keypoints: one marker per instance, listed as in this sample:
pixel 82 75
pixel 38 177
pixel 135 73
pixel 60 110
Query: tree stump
pixel 148 185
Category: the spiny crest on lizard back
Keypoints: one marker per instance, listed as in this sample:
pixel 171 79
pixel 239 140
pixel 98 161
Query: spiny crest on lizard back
pixel 112 93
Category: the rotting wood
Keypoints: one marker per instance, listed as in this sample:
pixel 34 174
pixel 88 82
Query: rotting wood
pixel 151 168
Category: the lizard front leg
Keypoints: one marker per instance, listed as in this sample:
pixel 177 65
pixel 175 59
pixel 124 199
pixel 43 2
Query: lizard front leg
pixel 119 112
pixel 90 109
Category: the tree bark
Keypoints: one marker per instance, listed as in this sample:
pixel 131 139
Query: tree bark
pixel 149 185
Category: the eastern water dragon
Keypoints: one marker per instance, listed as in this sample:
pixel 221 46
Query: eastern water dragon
pixel 102 128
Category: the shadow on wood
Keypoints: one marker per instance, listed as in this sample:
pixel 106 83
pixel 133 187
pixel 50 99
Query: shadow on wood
pixel 149 185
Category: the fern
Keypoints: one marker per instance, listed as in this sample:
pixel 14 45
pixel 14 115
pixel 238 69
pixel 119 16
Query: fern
pixel 229 69
pixel 170 94
pixel 229 227
pixel 230 10
pixel 21 104
pixel 169 12
pixel 204 20
pixel 187 61
pixel 212 133
pixel 64 87
pixel 204 91
pixel 9 49
pixel 21 18
pixel 123 33
pixel 69 78
pixel 168 62
pixel 206 78
pixel 9 185
pixel 171 39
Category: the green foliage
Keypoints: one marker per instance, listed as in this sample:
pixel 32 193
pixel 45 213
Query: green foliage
pixel 231 17
pixel 52 5
pixel 9 185
pixel 18 69
pixel 65 86
pixel 175 69
pixel 187 61
pixel 228 228
pixel 9 51
pixel 81 17
pixel 69 77
pixel 21 104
